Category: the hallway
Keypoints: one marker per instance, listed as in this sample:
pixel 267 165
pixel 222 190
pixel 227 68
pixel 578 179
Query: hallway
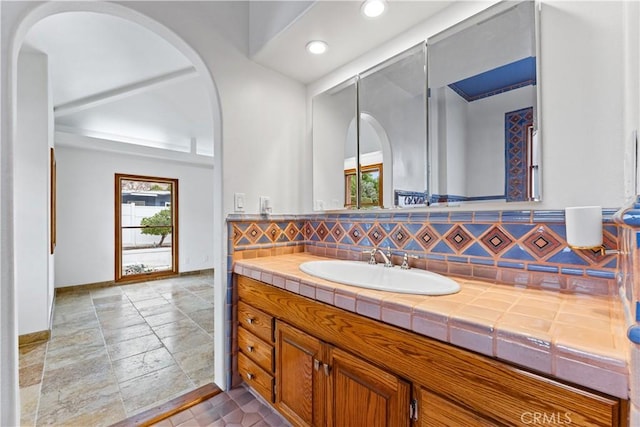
pixel 117 351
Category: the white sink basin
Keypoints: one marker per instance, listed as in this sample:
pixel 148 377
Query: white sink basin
pixel 363 275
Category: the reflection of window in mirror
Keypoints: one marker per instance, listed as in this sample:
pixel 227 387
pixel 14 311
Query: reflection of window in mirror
pixel 371 186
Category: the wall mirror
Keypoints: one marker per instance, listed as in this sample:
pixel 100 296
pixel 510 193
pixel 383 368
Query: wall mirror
pixel 483 108
pixel 379 160
pixel 335 143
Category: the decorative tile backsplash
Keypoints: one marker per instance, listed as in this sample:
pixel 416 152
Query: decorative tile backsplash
pixel 522 248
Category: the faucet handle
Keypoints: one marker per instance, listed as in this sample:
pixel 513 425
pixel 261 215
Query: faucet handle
pixel 372 252
pixel 405 261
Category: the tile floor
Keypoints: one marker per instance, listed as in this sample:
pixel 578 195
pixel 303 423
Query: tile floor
pixel 237 407
pixel 117 351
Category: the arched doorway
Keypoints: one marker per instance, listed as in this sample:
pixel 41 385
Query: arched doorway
pixel 8 293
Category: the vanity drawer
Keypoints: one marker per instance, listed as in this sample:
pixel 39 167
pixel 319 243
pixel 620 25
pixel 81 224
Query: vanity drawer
pixel 256 377
pixel 255 321
pixel 256 349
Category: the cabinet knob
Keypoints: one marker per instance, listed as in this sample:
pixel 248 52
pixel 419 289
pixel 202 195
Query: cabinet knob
pixel 250 375
pixel 250 320
pixel 316 364
pixel 250 349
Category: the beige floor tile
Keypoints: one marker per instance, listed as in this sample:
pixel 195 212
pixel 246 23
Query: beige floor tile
pixel 113 336
pixel 141 364
pixel 196 358
pixel 153 387
pixel 204 319
pixel 133 346
pixel 167 317
pixel 104 355
pixel 179 343
pixel 182 327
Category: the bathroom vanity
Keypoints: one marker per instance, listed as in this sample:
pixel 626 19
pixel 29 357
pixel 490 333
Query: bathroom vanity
pixel 323 365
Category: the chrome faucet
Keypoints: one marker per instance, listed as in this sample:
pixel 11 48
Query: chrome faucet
pixel 405 261
pixel 386 257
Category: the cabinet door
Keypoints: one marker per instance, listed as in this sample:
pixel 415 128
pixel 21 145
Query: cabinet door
pixel 363 395
pixel 299 384
pixel 434 411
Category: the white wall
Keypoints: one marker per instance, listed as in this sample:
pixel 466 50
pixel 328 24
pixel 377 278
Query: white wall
pixel 263 129
pixel 86 248
pixel 581 79
pixel 31 189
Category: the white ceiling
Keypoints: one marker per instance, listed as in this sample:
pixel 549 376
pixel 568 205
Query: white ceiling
pixel 114 78
pixel 348 33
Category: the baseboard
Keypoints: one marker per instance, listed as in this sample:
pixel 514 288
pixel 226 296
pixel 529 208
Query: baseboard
pixel 99 285
pixel 172 407
pixel 34 338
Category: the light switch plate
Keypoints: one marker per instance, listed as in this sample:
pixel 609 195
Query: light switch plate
pixel 238 202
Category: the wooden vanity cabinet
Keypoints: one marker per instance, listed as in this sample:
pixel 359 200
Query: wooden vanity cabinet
pixel 338 368
pixel 255 349
pixel 320 385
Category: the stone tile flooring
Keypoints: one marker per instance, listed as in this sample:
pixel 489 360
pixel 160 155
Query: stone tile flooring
pixel 117 351
pixel 237 407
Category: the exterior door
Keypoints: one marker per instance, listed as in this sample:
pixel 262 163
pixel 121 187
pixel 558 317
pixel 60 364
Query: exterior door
pixel 146 227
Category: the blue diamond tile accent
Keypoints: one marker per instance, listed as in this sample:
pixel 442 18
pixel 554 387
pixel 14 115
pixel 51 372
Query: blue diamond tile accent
pixel 243 241
pixel 601 274
pixel 612 264
pixel 442 229
pixel 517 252
pixel 413 228
pixel 477 250
pixel 264 239
pixel 560 230
pixel 517 230
pixel 412 245
pixel 506 264
pixel 365 242
pixel 366 226
pixel 543 268
pixel 315 237
pixel 442 248
pixel 387 243
pixel 572 271
pixel 347 240
pixel 567 256
pixel 477 230
pixel 329 239
pixel 637 239
pixel 388 226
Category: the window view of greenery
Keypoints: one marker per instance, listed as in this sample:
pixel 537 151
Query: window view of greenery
pixel 146 220
pixel 371 194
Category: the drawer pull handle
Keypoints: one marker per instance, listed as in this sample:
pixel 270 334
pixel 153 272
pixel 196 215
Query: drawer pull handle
pixel 250 320
pixel 250 375
pixel 316 364
pixel 250 349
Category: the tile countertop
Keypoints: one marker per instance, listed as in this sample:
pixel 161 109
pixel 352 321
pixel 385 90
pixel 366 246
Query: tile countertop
pixel 574 337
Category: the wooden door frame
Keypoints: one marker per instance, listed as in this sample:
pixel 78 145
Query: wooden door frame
pixel 119 277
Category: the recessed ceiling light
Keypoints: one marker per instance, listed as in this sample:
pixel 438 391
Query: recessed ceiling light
pixel 317 47
pixel 373 8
